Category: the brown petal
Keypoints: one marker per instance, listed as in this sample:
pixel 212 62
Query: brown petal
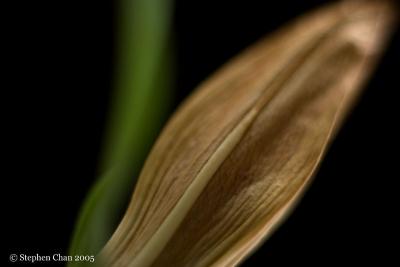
pixel 240 151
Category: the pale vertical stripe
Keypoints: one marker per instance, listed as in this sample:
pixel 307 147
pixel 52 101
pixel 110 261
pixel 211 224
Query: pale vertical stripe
pixel 160 239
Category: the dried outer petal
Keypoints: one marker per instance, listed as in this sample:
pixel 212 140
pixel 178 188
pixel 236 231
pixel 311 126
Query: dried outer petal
pixel 240 151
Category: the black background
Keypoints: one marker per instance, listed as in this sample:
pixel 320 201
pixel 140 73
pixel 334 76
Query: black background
pixel 56 84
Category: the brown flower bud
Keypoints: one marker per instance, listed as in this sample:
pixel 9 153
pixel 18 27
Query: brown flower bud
pixel 238 154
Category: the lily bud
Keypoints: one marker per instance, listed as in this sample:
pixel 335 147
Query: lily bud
pixel 240 151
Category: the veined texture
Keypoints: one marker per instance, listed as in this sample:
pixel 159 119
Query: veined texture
pixel 239 152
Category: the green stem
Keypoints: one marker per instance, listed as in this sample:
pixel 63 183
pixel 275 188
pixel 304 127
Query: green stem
pixel 138 110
